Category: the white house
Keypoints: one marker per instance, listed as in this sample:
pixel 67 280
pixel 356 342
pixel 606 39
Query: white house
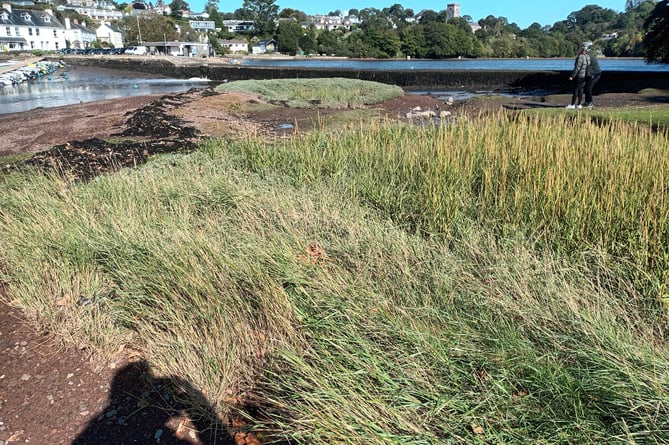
pixel 238 26
pixel 78 35
pixel 329 23
pixel 235 46
pixel 30 29
pixel 110 34
pixel 264 46
pixel 203 25
pixel 108 12
pixel 173 48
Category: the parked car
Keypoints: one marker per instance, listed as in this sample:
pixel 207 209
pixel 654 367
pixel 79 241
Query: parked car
pixel 137 50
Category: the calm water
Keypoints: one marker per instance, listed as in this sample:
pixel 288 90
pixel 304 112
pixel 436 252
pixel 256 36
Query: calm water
pixel 85 84
pixel 455 64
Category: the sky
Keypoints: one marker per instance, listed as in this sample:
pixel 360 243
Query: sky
pixel 521 12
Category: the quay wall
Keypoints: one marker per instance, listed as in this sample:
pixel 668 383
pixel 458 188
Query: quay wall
pixel 219 71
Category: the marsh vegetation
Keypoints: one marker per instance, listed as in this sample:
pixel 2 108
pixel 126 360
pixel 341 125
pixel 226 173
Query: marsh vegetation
pixel 497 280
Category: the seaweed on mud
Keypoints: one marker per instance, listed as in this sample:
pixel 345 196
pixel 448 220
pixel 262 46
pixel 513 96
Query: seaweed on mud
pixel 84 160
pixel 160 133
pixel 152 120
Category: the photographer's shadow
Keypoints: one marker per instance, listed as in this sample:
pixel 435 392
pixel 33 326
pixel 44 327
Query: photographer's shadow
pixel 144 409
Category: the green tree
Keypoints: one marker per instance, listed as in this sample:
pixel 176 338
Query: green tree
pixel 177 6
pixel 152 27
pixel 215 16
pixel 440 38
pixel 413 42
pixel 656 40
pixel 384 42
pixel 428 16
pixel 264 14
pixel 288 35
pixel 534 31
pixel 328 42
pixel 308 41
pixel 288 13
pixel 242 14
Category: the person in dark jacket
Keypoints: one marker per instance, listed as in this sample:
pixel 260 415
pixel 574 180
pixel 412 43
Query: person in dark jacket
pixel 578 75
pixel 596 73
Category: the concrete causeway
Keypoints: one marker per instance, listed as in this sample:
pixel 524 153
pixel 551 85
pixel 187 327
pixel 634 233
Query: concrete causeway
pixel 19 64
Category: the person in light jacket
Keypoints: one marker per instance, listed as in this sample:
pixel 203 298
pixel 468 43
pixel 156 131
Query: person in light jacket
pixel 578 75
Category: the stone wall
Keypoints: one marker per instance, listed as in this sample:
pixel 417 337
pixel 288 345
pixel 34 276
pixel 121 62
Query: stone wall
pixel 468 80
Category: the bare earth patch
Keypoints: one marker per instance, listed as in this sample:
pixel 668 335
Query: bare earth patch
pixel 53 394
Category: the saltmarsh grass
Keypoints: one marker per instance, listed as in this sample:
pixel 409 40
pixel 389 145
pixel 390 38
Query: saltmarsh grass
pixel 324 93
pixel 574 185
pixel 396 284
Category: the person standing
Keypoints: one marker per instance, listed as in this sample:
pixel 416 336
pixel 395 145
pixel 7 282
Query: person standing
pixel 578 75
pixel 596 73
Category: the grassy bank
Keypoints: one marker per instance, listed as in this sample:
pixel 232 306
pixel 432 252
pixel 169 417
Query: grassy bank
pixel 321 93
pixel 495 281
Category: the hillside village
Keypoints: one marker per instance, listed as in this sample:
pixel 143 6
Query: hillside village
pixel 23 28
pixel 106 27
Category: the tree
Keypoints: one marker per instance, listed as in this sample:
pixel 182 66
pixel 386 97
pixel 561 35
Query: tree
pixel 384 42
pixel 308 42
pixel 152 27
pixel 242 14
pixel 264 14
pixel 288 35
pixel 656 40
pixel 288 13
pixel 215 17
pixel 428 16
pixel 177 6
pixel 328 43
pixel 413 42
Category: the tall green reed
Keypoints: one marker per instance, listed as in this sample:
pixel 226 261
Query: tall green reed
pixel 572 184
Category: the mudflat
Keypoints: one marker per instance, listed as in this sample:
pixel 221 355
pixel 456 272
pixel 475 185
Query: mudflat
pixel 212 114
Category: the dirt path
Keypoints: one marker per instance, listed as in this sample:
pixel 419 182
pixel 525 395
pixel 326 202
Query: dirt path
pixel 52 395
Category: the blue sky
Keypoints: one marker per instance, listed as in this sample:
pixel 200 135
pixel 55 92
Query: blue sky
pixel 522 12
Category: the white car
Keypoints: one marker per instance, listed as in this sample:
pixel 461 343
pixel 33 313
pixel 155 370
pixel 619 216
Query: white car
pixel 137 50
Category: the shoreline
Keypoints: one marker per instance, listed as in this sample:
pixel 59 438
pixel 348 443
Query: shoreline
pixel 41 128
pixel 218 70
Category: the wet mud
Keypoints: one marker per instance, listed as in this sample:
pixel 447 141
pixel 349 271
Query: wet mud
pixel 148 131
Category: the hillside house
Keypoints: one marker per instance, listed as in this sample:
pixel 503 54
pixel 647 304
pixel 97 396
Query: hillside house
pixel 102 11
pixel 78 35
pixel 238 26
pixel 174 48
pixel 235 46
pixel 264 46
pixel 110 34
pixel 30 29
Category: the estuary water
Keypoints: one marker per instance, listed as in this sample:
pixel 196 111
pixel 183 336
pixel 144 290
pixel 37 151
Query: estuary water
pixel 74 85
pixel 67 86
pixel 452 64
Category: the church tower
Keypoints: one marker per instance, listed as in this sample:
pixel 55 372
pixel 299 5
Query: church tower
pixel 452 10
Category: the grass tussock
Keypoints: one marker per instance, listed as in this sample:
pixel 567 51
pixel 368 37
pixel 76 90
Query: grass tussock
pixel 321 93
pixel 411 285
